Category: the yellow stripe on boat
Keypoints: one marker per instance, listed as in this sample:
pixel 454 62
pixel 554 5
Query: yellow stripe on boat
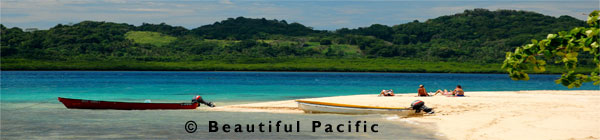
pixel 348 105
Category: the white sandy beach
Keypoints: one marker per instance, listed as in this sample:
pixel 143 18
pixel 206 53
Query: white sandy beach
pixel 483 115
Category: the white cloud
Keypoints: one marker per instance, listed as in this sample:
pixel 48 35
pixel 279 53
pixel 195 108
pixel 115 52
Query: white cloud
pixel 225 2
pixel 553 9
pixel 145 10
pixel 319 14
pixel 116 1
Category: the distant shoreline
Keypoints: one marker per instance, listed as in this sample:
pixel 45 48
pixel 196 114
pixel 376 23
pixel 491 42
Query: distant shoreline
pixel 387 65
pixel 278 71
pixel 262 71
pixel 282 71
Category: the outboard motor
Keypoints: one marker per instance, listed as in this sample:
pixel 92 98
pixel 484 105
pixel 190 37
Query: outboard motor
pixel 198 99
pixel 419 105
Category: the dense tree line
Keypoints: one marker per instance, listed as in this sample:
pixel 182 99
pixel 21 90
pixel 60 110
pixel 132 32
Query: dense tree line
pixel 163 28
pixel 241 28
pixel 476 35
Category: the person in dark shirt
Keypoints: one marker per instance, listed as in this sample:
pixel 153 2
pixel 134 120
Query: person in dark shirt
pixel 458 91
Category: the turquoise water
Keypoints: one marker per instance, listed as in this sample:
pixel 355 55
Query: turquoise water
pixel 35 86
pixel 56 122
pixel 30 110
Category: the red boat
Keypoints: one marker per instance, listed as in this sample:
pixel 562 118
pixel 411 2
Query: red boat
pixel 94 104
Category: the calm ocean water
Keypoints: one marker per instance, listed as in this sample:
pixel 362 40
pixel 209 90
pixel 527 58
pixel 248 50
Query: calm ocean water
pixel 30 110
pixel 35 86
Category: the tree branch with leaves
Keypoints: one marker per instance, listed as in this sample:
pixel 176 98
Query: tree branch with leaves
pixel 564 48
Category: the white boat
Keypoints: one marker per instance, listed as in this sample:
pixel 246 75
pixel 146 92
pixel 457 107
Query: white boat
pixel 326 107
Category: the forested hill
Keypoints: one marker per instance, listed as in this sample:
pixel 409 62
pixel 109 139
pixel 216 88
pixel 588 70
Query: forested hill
pixel 475 24
pixel 246 28
pixel 473 36
pixel 478 33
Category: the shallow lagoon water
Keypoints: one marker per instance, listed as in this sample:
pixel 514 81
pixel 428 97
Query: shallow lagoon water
pixel 36 86
pixel 29 106
pixel 53 121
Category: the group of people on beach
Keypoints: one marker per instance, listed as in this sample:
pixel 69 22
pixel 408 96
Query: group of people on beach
pixel 458 91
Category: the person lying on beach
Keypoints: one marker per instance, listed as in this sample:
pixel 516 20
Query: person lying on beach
pixel 422 91
pixel 386 92
pixel 458 91
pixel 445 92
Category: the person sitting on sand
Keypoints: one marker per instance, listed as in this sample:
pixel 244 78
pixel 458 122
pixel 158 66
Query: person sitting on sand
pixel 386 92
pixel 458 91
pixel 445 92
pixel 422 91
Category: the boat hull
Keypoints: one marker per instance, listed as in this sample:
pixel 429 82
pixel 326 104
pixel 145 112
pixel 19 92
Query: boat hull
pixel 312 107
pixel 94 104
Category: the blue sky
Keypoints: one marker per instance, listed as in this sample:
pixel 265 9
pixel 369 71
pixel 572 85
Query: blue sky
pixel 319 14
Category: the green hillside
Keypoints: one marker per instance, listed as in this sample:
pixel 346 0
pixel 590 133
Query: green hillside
pixel 477 37
pixel 146 37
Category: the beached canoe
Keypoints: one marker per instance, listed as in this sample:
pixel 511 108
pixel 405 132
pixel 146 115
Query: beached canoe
pixel 94 104
pixel 326 107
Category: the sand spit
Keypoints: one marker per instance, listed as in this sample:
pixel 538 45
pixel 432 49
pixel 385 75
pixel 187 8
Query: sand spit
pixel 528 115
